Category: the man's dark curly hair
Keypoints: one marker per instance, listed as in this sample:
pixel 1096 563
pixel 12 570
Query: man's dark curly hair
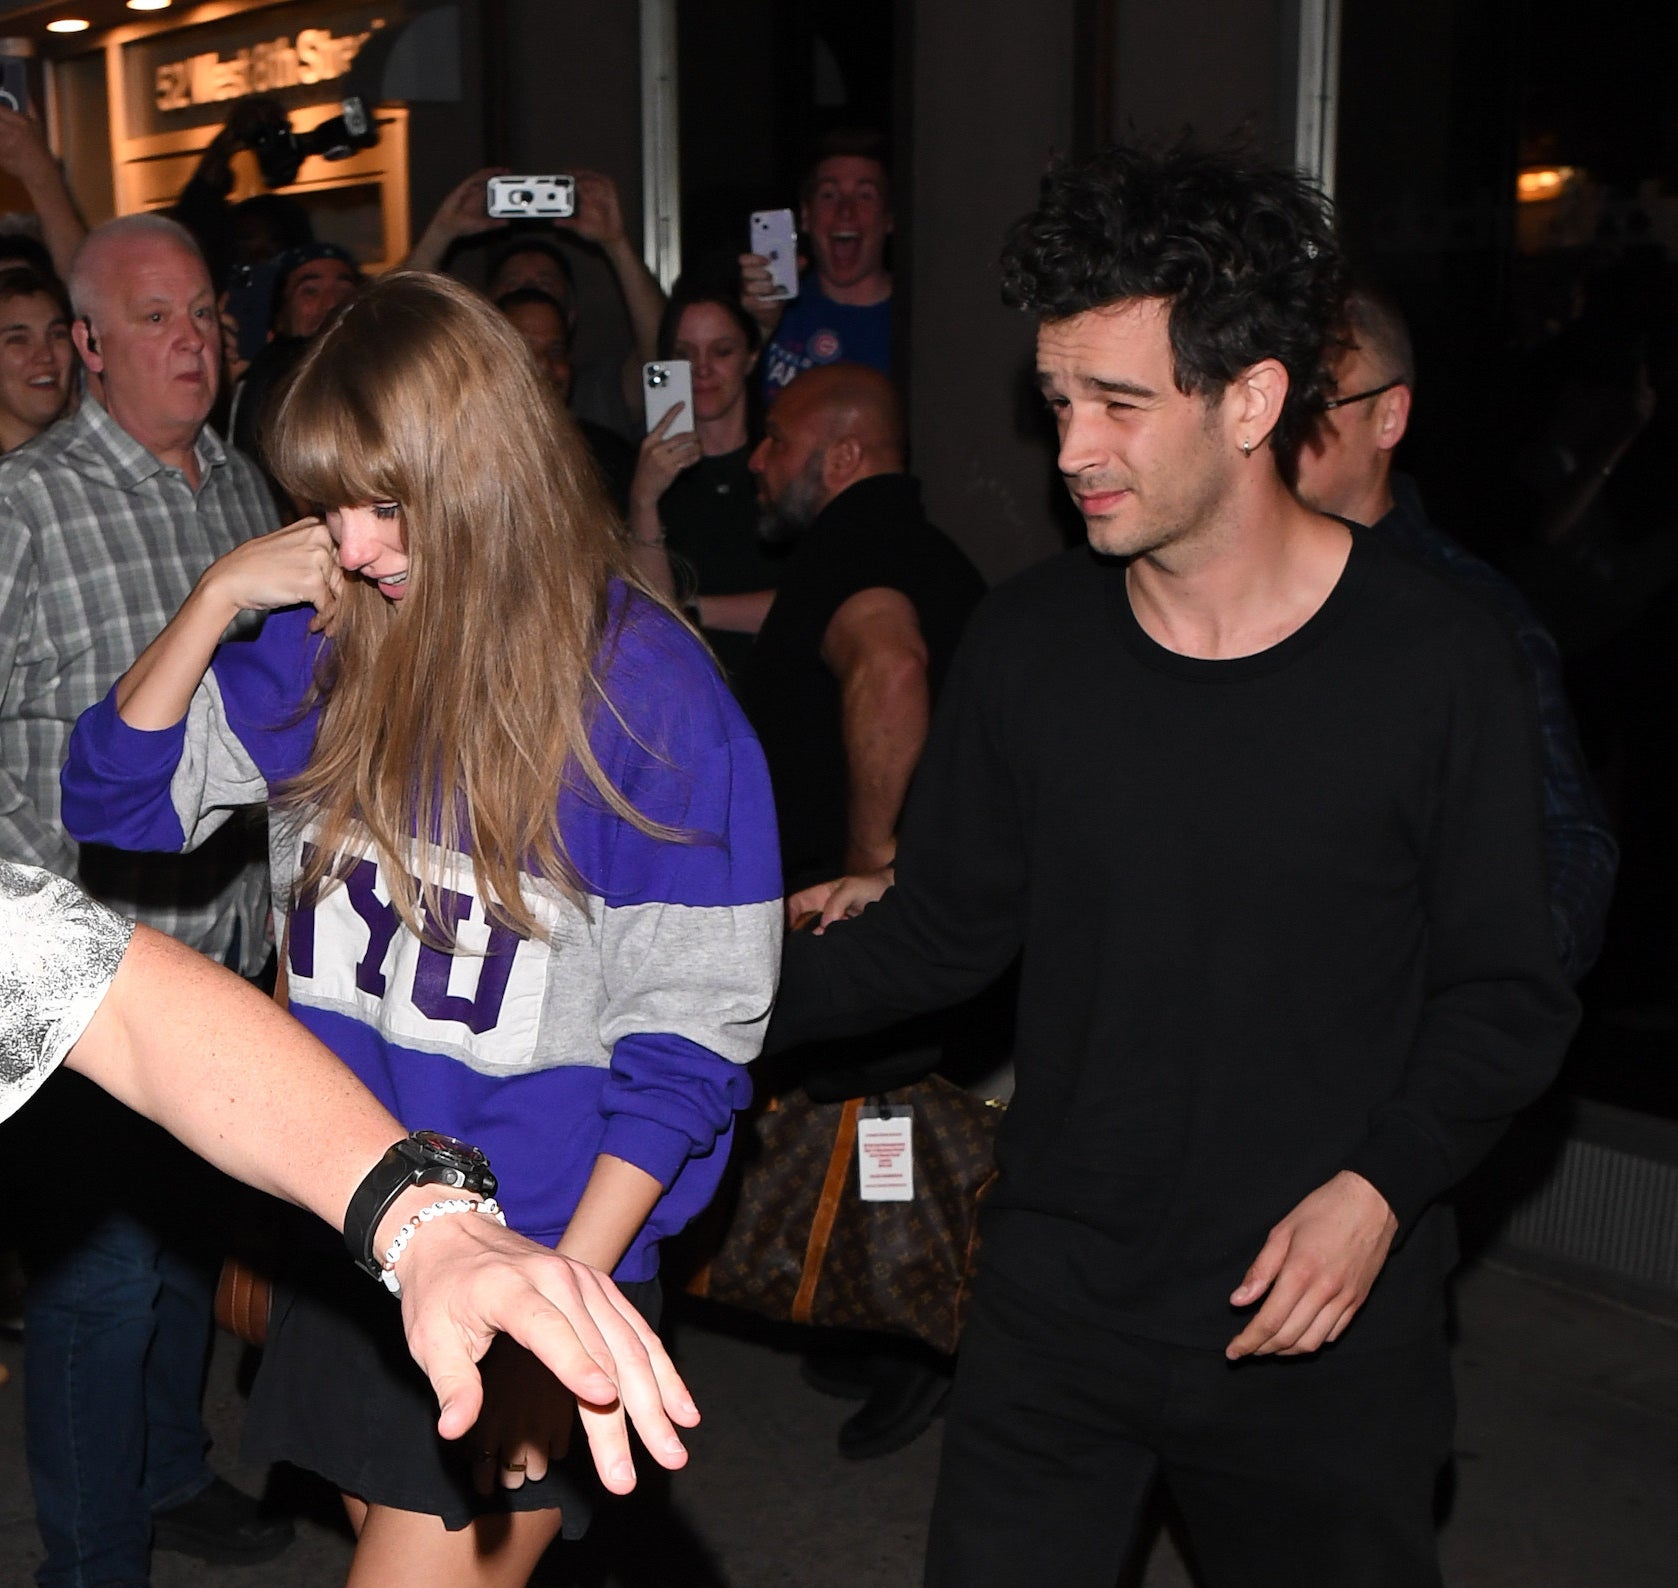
pixel 1244 251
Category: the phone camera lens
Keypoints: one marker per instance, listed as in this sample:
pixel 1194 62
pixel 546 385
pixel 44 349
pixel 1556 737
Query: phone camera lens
pixel 658 377
pixel 523 197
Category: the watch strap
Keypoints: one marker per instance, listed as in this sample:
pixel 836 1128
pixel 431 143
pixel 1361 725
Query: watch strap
pixel 406 1163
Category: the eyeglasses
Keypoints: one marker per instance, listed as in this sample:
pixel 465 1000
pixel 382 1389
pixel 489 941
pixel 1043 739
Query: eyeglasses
pixel 1362 396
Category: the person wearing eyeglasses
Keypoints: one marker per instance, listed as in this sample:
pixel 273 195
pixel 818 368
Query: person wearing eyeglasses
pixel 1345 467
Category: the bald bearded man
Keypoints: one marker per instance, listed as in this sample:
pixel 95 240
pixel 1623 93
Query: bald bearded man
pixel 872 601
pixel 840 685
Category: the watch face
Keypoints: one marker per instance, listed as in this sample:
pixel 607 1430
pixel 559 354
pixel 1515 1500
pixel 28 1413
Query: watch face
pixel 460 1154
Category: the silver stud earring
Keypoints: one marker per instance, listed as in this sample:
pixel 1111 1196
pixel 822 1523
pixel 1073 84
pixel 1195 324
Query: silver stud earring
pixel 1246 449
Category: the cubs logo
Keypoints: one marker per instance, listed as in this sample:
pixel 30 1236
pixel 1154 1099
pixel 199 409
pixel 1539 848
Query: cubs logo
pixel 824 347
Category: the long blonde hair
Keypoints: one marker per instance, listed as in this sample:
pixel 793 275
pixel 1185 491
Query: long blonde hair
pixel 453 718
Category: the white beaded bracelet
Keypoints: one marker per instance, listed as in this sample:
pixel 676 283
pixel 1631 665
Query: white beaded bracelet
pixel 489 1207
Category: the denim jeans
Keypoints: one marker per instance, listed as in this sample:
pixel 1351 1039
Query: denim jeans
pixel 116 1336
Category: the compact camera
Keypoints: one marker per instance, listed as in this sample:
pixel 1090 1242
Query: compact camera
pixel 534 197
pixel 280 152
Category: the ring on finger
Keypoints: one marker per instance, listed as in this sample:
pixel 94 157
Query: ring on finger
pixel 514 1466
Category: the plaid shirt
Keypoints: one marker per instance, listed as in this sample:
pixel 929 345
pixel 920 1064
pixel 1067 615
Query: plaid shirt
pixel 100 543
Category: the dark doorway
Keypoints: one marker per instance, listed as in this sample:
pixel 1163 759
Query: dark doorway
pixel 760 81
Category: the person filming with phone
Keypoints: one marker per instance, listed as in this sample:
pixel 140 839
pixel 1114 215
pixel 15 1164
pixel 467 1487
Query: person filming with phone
pixel 693 512
pixel 842 313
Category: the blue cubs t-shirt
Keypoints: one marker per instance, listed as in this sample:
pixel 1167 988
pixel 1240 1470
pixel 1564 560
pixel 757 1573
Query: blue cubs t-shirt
pixel 816 330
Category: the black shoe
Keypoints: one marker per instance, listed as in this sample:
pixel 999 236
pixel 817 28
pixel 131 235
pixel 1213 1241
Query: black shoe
pixel 845 1375
pixel 907 1396
pixel 222 1526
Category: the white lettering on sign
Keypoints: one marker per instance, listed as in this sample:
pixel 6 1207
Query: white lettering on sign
pixel 318 56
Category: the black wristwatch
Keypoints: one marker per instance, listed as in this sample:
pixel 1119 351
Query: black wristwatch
pixel 425 1158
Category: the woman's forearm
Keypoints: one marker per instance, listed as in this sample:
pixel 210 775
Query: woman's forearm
pixel 642 297
pixel 615 1204
pixel 62 227
pixel 157 690
pixel 737 614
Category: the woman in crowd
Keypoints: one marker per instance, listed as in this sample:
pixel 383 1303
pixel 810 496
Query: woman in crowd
pixel 527 847
pixel 693 509
pixel 35 354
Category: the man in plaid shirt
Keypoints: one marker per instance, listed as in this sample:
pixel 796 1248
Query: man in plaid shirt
pixel 106 521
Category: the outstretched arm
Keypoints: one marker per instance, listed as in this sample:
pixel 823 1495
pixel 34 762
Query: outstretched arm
pixel 190 1045
pixel 462 214
pixel 599 219
pixel 24 154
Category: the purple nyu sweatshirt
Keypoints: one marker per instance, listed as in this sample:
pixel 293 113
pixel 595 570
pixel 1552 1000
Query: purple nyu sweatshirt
pixel 625 1031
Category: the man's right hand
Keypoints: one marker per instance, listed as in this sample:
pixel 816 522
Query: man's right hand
pixel 840 899
pixel 468 1279
pixel 756 287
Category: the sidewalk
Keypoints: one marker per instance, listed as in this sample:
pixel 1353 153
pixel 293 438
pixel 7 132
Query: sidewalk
pixel 1566 1475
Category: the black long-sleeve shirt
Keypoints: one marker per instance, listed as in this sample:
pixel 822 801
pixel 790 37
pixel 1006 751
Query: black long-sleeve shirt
pixel 1281 916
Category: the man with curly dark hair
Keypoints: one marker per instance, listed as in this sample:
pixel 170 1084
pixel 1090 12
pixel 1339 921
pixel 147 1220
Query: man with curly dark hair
pixel 1259 801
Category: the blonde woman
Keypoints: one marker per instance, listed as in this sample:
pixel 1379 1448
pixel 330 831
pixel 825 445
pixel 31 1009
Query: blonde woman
pixel 526 845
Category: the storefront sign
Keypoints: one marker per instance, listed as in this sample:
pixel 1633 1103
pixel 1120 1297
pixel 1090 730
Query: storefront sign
pixel 299 54
pixel 317 56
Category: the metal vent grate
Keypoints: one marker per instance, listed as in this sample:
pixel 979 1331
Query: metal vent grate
pixel 1605 1208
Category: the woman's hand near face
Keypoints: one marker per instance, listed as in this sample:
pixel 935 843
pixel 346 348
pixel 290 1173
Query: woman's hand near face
pixel 292 566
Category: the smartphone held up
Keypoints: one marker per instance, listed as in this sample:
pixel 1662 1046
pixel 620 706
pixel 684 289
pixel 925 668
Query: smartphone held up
pixel 775 238
pixel 663 385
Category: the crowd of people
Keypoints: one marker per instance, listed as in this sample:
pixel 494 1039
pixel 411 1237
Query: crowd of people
pixel 502 748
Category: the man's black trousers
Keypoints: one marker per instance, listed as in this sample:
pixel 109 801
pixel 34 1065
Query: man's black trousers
pixel 1309 1472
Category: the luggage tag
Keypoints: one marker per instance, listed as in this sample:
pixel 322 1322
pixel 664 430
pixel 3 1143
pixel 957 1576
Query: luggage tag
pixel 885 1152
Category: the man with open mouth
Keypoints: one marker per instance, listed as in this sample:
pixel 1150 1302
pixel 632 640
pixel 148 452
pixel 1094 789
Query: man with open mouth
pixel 842 313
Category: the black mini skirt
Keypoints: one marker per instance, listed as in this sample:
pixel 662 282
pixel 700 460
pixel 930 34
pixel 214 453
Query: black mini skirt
pixel 338 1394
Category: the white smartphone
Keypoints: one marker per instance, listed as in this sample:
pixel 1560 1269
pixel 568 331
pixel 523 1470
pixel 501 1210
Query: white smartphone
pixel 515 197
pixel 775 237
pixel 664 384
